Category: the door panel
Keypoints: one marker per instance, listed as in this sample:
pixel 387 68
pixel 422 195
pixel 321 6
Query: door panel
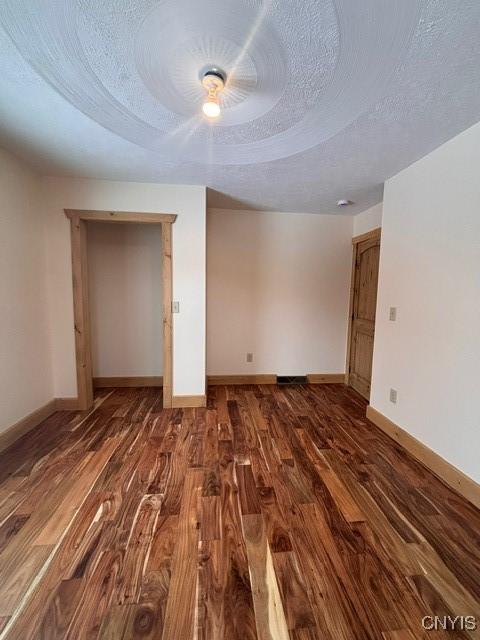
pixel 361 362
pixel 365 279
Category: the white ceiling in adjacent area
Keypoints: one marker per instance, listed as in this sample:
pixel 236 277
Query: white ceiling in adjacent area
pixel 325 99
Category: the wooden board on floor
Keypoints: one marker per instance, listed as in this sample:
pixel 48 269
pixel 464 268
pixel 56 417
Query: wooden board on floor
pixel 259 378
pixel 183 402
pixel 326 378
pixel 127 381
pixel 444 470
pixel 27 423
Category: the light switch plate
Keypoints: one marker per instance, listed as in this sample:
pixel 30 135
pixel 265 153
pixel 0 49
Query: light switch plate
pixel 393 314
pixel 393 396
pixel 175 307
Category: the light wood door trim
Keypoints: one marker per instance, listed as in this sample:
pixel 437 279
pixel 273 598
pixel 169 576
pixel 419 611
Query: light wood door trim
pixel 81 312
pixel 350 314
pixel 83 353
pixel 167 314
pixel 374 234
pixel 121 216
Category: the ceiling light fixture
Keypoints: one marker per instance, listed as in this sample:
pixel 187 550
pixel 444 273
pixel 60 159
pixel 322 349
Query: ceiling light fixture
pixel 213 80
pixel 344 203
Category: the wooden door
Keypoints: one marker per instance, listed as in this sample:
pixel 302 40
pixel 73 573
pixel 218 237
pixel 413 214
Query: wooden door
pixel 363 306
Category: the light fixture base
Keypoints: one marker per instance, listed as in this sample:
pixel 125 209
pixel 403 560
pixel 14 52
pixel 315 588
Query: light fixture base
pixel 213 79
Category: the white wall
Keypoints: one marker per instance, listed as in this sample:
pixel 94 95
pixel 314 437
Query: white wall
pixel 368 220
pixel 125 293
pixel 25 373
pixel 278 286
pixel 430 270
pixel 189 202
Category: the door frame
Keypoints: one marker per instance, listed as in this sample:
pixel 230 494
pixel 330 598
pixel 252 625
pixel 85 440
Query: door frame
pixel 81 308
pixel 374 234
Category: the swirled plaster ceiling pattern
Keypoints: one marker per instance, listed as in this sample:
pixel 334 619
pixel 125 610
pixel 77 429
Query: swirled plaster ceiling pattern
pixel 304 79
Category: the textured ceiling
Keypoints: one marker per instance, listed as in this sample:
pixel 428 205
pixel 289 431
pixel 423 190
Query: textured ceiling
pixel 325 99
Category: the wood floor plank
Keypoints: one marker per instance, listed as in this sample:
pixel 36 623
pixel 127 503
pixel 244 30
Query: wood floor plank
pixel 249 502
pixel 10 528
pixel 296 604
pixel 345 502
pixel 157 576
pixel 16 583
pixel 276 512
pixel 239 617
pixel 210 518
pixel 77 492
pixel 181 603
pixel 132 573
pixel 211 606
pixel 57 616
pixel 260 470
pixel 269 614
pixel 10 503
pixel 74 556
pixel 96 600
pixel 275 525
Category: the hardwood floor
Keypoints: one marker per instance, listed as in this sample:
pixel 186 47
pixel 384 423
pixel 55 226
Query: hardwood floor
pixel 277 512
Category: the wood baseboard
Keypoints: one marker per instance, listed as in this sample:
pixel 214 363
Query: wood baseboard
pixel 67 404
pixel 326 378
pixel 271 378
pixel 258 378
pixel 452 476
pixel 128 381
pixel 184 402
pixel 27 423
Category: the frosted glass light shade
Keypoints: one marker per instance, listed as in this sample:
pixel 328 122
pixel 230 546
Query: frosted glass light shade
pixel 211 109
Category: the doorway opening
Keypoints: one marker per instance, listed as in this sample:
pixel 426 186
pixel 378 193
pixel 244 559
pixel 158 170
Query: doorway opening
pixel 81 303
pixel 125 299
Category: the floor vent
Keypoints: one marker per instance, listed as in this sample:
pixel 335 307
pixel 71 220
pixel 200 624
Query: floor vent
pixel 292 380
